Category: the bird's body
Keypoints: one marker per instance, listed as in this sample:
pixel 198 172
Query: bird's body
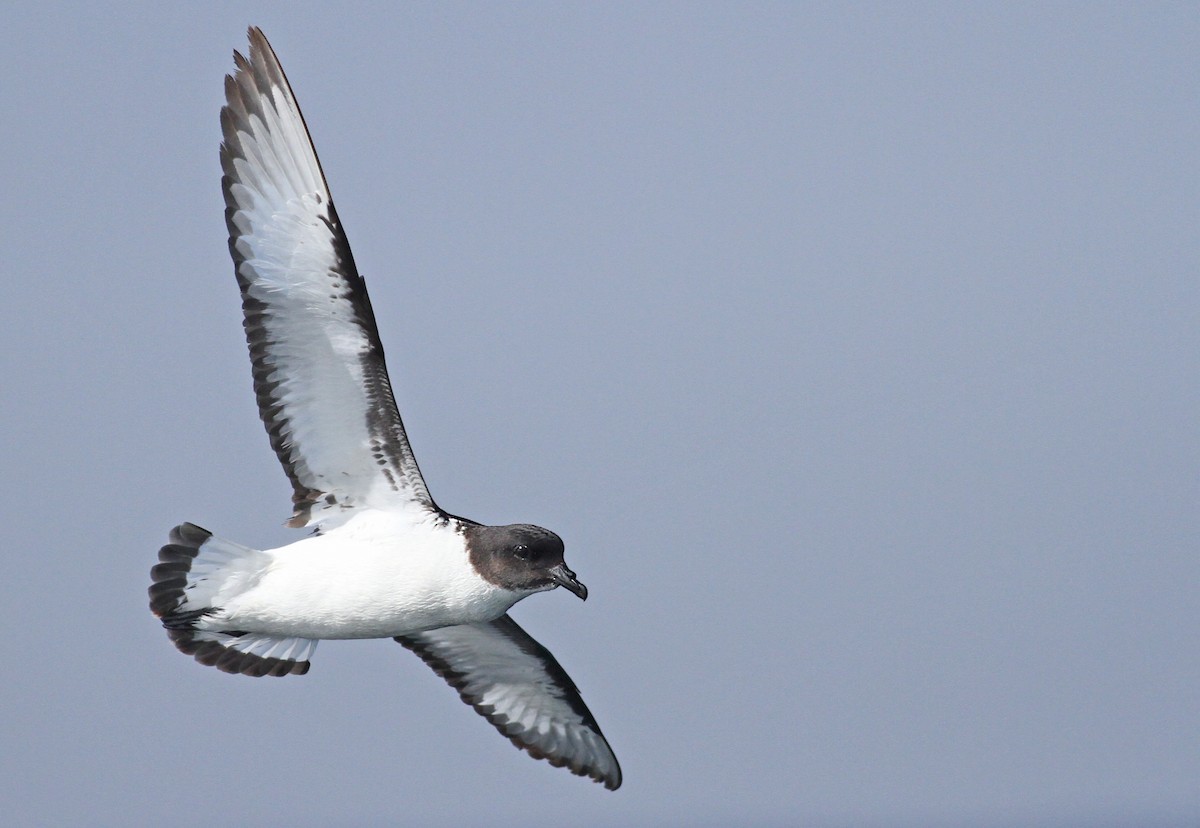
pixel 383 560
pixel 379 575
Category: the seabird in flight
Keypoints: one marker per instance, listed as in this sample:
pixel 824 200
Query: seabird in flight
pixel 384 561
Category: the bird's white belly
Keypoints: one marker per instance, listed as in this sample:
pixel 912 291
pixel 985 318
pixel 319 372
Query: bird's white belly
pixel 365 587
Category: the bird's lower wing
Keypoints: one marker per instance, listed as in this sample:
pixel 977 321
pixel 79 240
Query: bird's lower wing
pixel 516 684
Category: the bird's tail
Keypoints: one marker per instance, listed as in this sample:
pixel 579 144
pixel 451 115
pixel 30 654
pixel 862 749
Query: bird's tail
pixel 196 569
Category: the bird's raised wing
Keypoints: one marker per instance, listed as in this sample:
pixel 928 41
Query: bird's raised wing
pixel 516 684
pixel 322 386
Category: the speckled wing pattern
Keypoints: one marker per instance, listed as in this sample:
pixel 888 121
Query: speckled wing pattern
pixel 516 684
pixel 319 375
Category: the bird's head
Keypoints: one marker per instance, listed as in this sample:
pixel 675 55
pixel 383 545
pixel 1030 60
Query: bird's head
pixel 521 558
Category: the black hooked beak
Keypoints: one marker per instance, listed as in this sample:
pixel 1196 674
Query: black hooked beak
pixel 566 578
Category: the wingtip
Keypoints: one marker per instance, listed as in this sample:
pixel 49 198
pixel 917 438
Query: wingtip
pixel 259 45
pixel 613 780
pixel 257 41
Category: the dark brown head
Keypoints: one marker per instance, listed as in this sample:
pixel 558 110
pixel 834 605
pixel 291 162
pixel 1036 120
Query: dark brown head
pixel 521 557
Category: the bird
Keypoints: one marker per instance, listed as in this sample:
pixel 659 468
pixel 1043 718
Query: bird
pixel 382 559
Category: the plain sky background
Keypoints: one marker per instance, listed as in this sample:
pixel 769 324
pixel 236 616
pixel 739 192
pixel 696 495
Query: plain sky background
pixel 851 348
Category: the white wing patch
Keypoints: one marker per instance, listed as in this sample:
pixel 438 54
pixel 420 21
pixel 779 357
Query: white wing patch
pixel 262 646
pixel 517 685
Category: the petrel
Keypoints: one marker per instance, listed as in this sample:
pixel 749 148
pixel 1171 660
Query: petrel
pixel 383 561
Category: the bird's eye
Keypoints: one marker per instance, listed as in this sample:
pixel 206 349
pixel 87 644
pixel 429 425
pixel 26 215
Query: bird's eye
pixel 523 552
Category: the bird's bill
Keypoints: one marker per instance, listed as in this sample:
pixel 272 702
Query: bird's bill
pixel 564 577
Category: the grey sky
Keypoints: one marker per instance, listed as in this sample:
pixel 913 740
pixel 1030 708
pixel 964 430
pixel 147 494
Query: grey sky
pixel 852 350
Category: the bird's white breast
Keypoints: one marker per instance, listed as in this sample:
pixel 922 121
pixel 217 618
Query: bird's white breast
pixel 378 575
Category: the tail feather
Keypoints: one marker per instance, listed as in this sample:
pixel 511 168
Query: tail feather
pixel 170 577
pixel 194 569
